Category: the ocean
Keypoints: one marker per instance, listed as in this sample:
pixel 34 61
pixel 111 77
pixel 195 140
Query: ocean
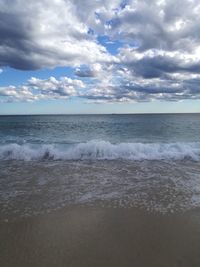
pixel 52 161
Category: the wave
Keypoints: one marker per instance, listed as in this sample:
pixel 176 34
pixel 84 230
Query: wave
pixel 101 150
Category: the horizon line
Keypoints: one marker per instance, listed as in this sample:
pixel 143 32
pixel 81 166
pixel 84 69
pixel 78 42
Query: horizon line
pixel 79 114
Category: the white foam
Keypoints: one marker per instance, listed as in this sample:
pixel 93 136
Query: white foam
pixel 100 150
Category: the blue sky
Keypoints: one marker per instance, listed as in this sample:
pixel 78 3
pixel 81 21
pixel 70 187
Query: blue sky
pixel 114 56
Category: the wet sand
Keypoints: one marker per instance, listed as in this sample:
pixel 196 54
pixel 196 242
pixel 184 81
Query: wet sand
pixel 94 236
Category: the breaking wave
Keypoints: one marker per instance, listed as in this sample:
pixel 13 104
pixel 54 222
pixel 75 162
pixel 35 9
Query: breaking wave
pixel 100 150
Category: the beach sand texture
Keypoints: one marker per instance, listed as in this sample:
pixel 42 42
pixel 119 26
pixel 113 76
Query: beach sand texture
pixel 94 236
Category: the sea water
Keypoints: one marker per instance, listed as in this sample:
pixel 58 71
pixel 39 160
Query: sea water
pixel 149 161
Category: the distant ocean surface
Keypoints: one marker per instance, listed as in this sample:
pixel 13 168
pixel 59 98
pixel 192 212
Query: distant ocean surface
pixel 51 161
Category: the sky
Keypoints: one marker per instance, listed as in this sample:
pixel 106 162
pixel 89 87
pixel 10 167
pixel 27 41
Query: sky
pixel 99 56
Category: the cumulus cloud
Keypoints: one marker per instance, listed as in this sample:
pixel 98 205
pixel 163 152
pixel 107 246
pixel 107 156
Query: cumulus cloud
pixel 158 56
pixel 37 89
pixel 45 33
pixel 12 93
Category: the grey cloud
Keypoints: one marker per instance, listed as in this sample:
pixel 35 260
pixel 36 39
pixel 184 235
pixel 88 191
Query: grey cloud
pixel 144 94
pixel 142 90
pixel 158 66
pixel 159 59
pixel 45 33
pixel 86 72
pixel 151 24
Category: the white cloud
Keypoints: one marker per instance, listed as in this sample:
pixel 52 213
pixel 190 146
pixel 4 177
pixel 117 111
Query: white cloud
pixel 159 57
pixel 46 34
pixel 36 89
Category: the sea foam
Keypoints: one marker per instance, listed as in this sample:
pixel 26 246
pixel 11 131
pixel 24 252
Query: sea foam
pixel 100 150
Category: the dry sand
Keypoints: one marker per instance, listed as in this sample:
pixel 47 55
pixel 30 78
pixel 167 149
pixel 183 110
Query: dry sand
pixel 93 236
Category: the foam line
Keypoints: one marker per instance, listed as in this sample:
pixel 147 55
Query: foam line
pixel 99 150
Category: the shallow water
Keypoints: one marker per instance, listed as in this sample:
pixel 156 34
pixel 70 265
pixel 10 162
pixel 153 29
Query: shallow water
pixel 28 188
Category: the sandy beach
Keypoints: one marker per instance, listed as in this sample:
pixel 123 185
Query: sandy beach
pixel 94 236
pixel 100 133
